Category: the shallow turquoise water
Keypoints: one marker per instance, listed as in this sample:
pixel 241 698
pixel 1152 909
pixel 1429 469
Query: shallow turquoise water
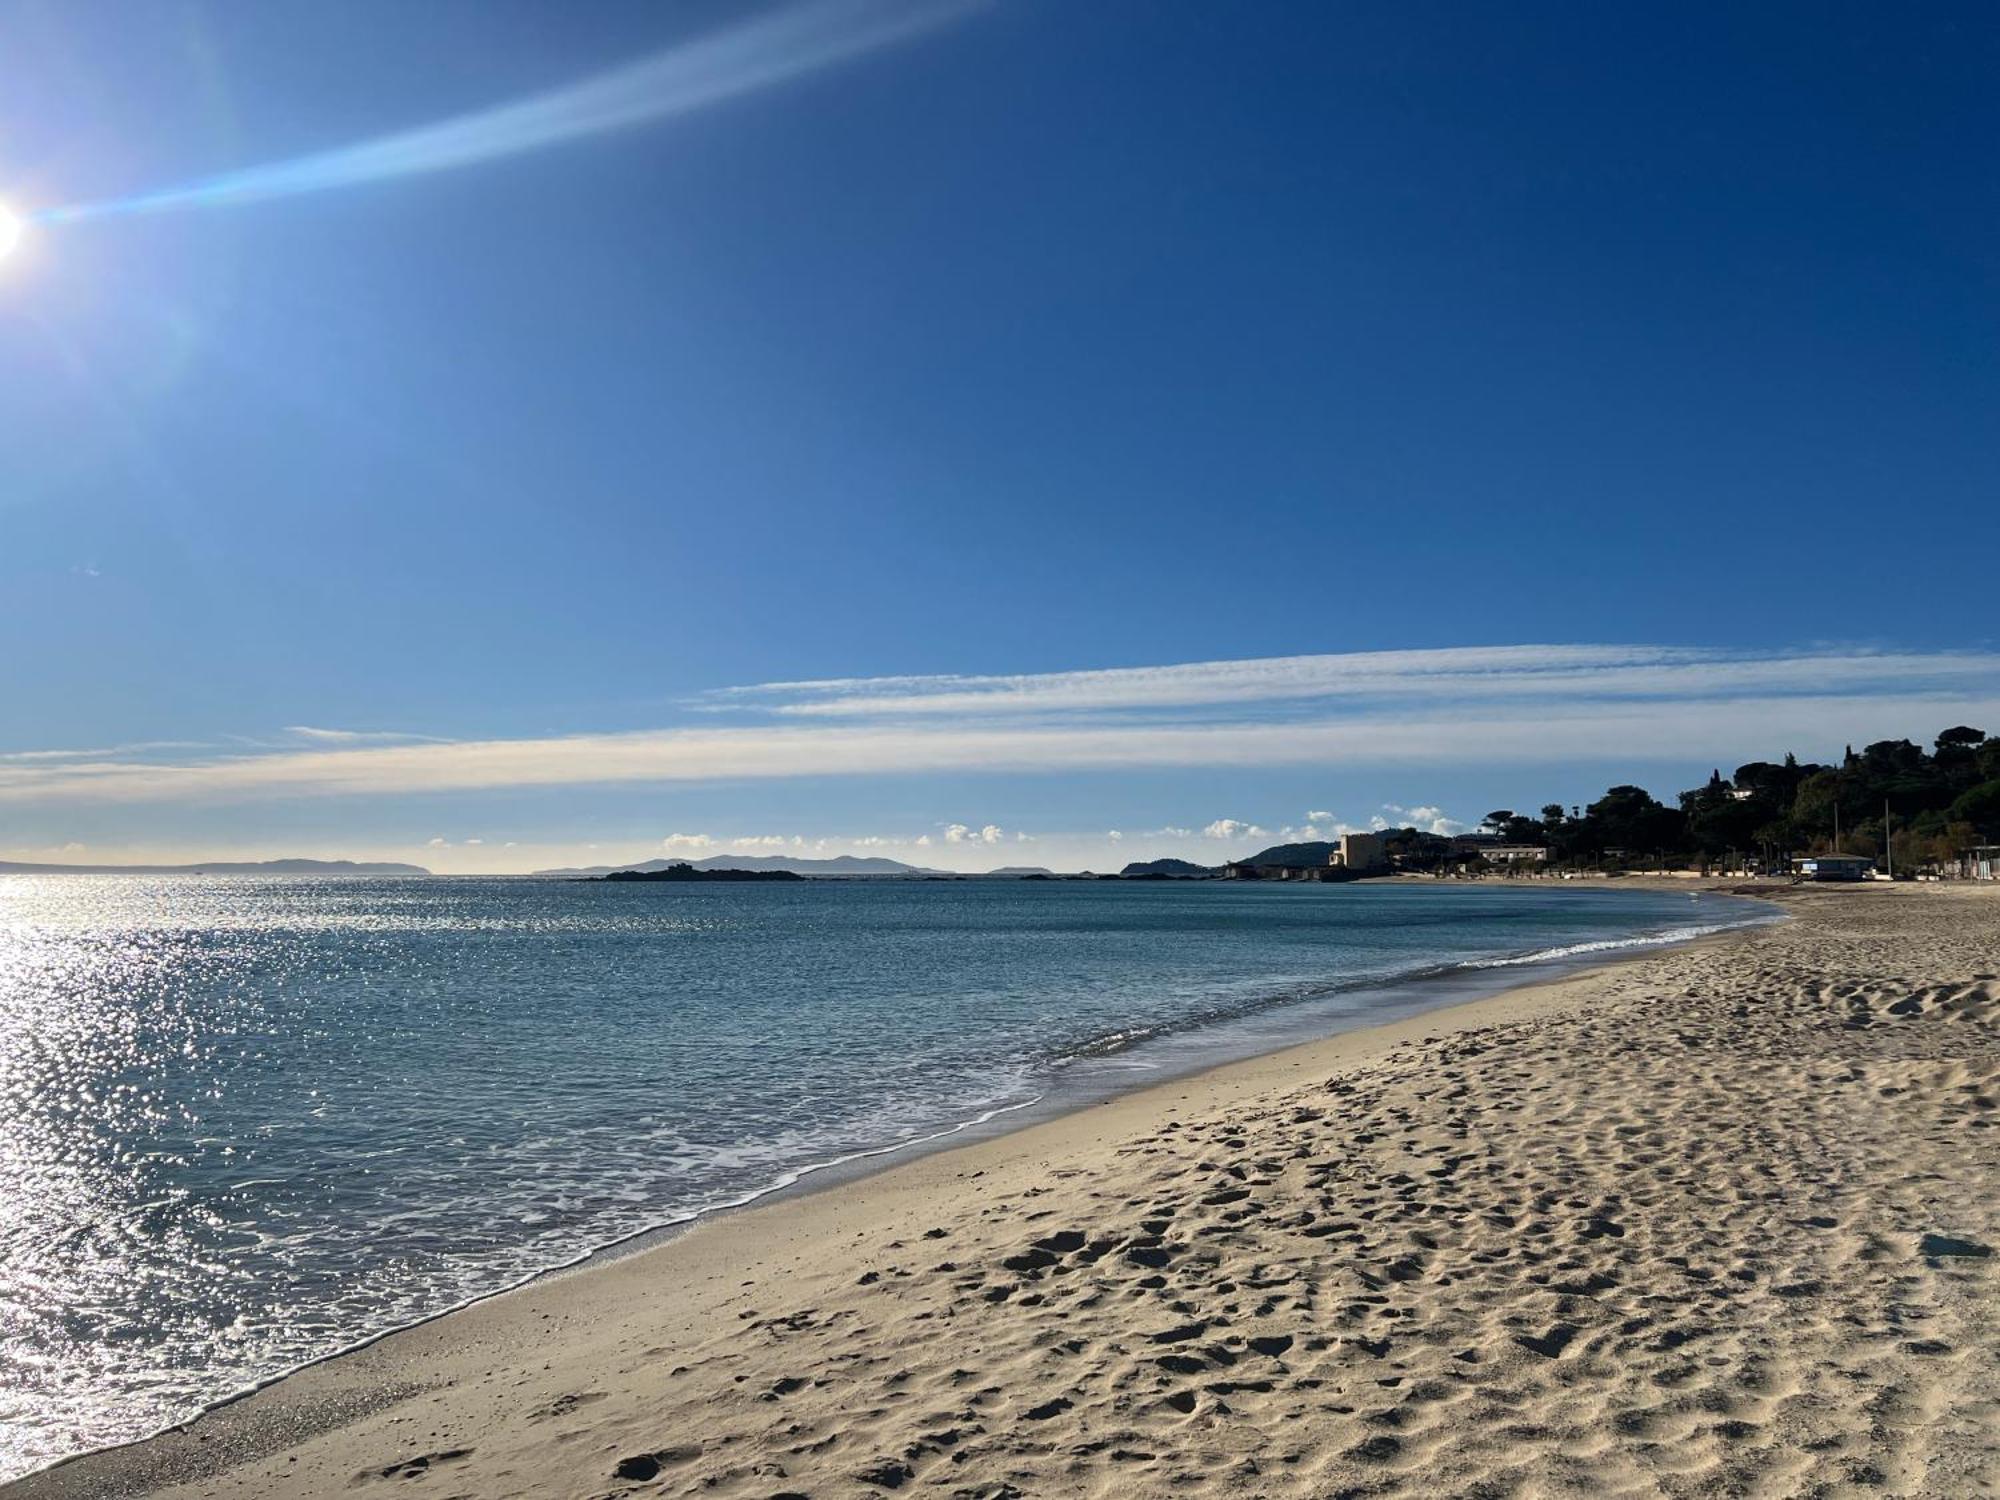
pixel 247 1122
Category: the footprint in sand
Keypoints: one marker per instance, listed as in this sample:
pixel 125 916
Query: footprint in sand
pixel 414 1467
pixel 640 1467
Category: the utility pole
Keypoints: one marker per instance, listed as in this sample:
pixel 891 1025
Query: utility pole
pixel 1888 839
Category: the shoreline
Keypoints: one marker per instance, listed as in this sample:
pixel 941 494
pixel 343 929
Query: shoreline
pixel 993 1129
pixel 631 1347
pixel 1480 980
pixel 1434 989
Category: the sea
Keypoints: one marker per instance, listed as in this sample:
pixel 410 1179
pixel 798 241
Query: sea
pixel 246 1122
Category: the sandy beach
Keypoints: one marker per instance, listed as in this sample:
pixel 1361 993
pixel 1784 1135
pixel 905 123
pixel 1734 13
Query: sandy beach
pixel 1715 1221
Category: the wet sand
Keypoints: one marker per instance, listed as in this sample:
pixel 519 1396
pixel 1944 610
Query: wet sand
pixel 1714 1221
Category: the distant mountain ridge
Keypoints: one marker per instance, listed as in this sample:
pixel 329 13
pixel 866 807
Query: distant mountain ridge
pixel 225 867
pixel 839 865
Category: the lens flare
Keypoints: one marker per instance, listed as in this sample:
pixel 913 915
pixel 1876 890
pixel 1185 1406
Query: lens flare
pixel 750 56
pixel 10 231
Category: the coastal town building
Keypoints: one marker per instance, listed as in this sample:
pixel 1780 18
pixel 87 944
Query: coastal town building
pixel 1495 849
pixel 1359 853
pixel 1981 862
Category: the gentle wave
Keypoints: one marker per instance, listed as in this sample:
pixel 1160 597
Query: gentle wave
pixel 1614 945
pixel 790 1178
pixel 1113 1042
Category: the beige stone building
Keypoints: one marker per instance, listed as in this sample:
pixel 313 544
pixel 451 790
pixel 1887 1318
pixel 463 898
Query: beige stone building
pixel 1360 853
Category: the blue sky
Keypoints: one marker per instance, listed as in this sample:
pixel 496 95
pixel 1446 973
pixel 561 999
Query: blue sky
pixel 342 511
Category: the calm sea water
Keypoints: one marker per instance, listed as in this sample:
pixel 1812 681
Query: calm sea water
pixel 247 1122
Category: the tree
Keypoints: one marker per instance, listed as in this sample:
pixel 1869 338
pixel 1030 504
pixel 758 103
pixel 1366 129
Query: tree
pixel 1777 838
pixel 1890 757
pixel 1773 787
pixel 1938 801
pixel 1821 801
pixel 1957 761
pixel 1980 807
pixel 1627 817
pixel 1718 820
pixel 1568 835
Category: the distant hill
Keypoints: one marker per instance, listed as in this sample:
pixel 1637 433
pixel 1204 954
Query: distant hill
pixel 1298 856
pixel 1020 872
pixel 842 865
pixel 224 867
pixel 1175 867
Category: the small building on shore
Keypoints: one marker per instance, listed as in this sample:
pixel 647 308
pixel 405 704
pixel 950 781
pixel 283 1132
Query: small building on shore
pixel 1834 867
pixel 1981 862
pixel 1514 854
pixel 1360 854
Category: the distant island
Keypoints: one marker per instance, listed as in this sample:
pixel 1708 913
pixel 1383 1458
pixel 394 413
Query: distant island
pixel 843 866
pixel 684 872
pixel 1165 869
pixel 223 867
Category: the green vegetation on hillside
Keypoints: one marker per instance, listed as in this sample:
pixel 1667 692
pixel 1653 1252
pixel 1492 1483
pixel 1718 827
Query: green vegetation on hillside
pixel 1937 803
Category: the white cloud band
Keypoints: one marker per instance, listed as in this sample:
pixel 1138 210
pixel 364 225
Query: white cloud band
pixel 1525 705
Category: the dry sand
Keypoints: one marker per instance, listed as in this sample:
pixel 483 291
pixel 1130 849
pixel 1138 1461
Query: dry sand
pixel 1708 1223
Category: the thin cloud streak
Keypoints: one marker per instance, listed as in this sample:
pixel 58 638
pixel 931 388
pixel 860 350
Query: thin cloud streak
pixel 755 55
pixel 1467 674
pixel 101 751
pixel 1624 732
pixel 317 736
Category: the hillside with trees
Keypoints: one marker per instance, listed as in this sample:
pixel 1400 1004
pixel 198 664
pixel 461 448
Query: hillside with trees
pixel 1937 803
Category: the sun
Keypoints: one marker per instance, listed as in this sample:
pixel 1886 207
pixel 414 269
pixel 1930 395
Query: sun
pixel 10 231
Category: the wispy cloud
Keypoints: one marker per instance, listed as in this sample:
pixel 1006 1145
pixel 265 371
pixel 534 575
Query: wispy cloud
pixel 315 736
pixel 1463 674
pixel 1489 706
pixel 137 747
